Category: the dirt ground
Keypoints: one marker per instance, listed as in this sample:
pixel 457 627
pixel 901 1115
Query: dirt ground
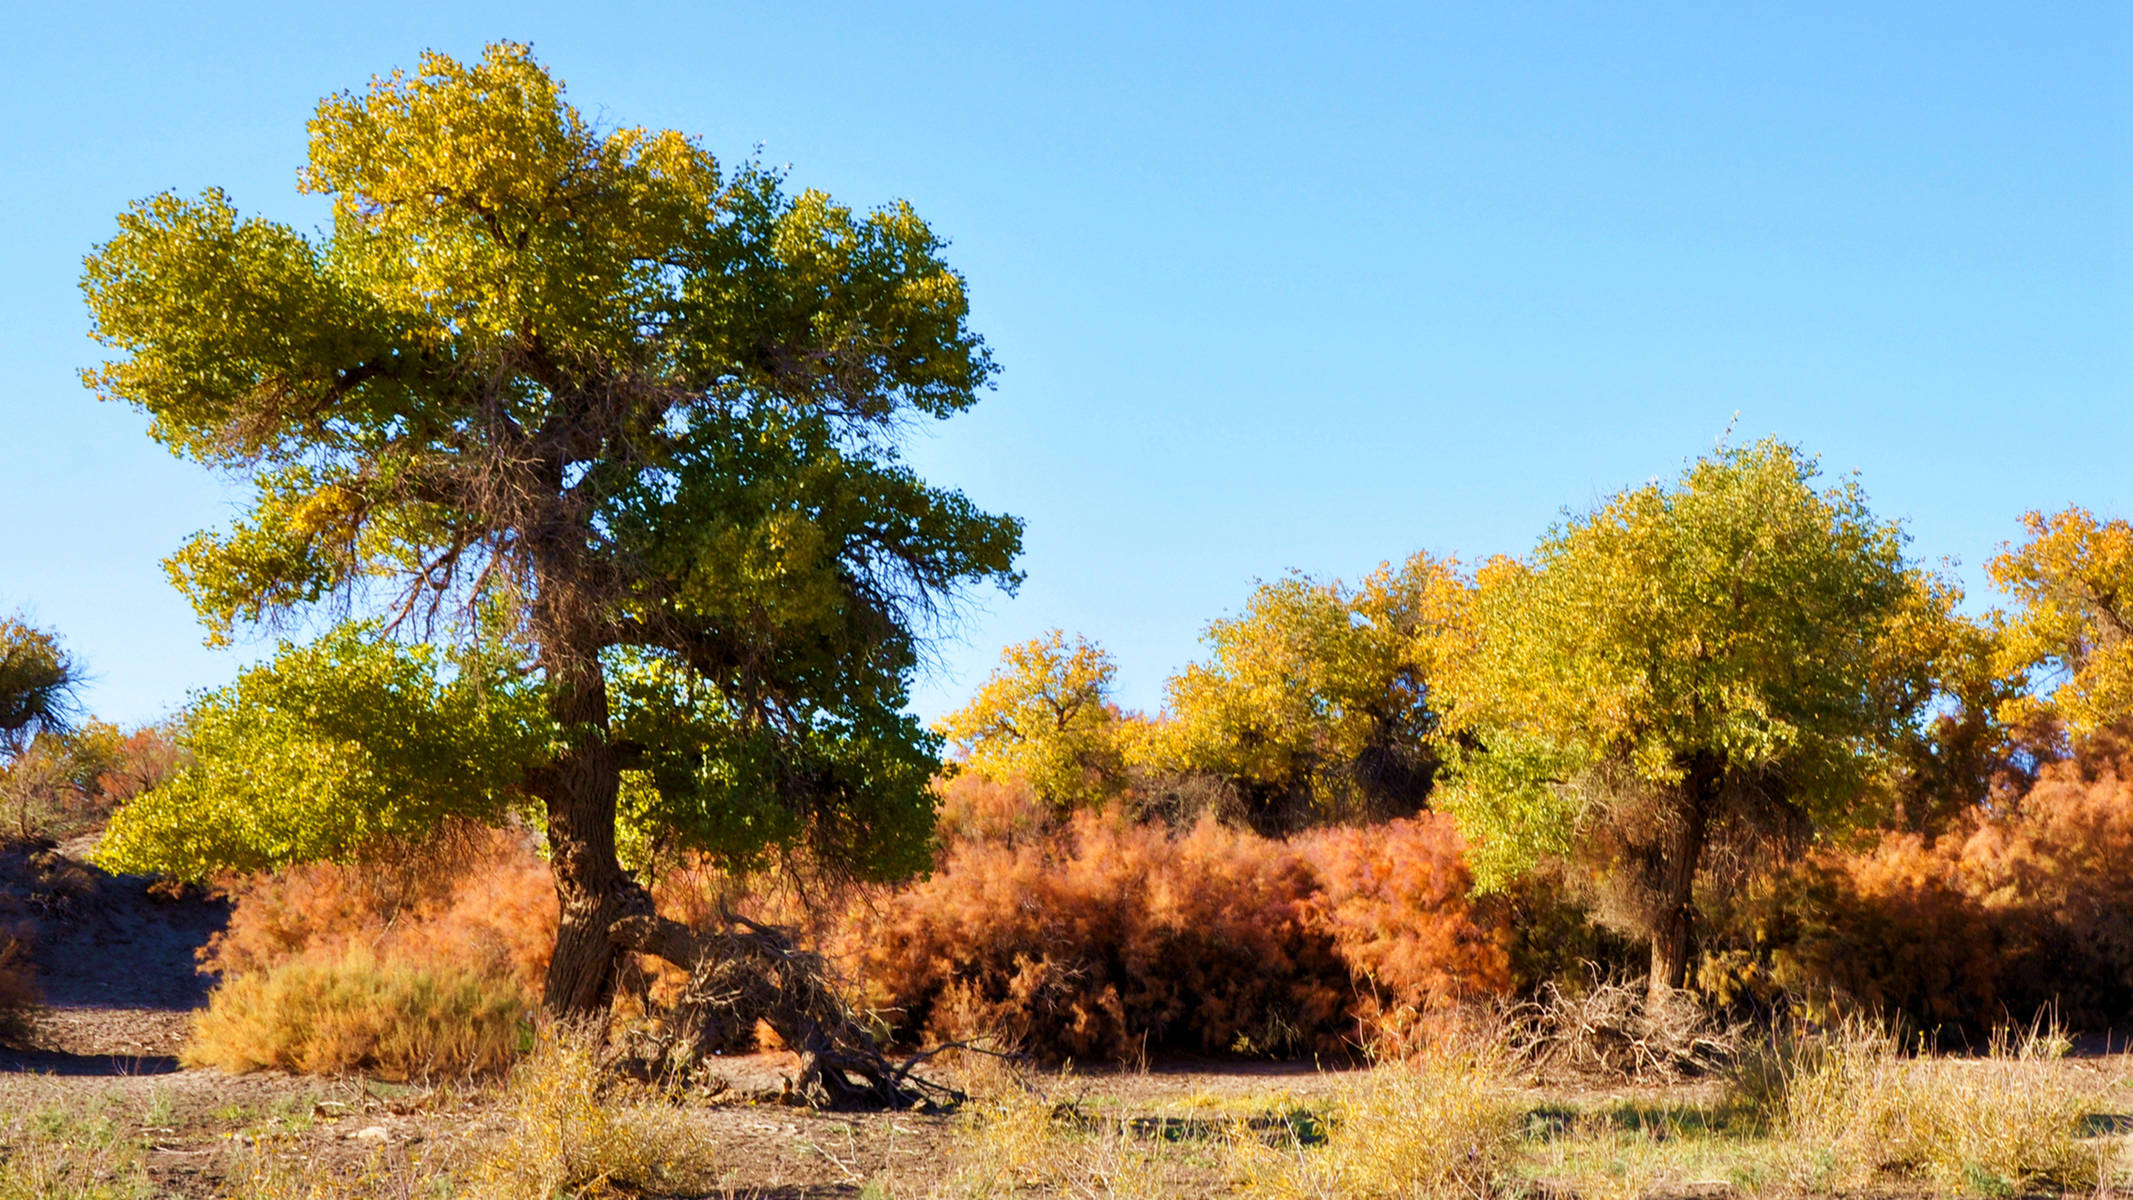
pixel 116 963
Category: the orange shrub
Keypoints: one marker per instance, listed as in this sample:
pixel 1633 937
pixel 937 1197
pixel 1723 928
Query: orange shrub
pixel 1109 938
pixel 1394 896
pixel 2003 916
pixel 974 808
pixel 470 897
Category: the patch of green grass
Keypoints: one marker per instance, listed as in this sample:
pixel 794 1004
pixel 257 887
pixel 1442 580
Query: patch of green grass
pixel 59 1151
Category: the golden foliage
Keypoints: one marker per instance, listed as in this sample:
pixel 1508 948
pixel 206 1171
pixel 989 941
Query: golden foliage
pixel 2074 580
pixel 1318 702
pixel 1045 717
pixel 355 1013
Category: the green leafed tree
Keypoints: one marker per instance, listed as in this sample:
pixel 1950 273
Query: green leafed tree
pixel 1045 715
pixel 593 414
pixel 1722 664
pixel 1317 701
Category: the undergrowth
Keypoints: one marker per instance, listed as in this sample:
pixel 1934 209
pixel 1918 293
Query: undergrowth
pixel 567 1138
pixel 1443 1127
pixel 359 1014
pixel 56 1151
pixel 2001 1124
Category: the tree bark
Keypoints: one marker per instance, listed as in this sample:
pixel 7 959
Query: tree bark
pixel 1670 935
pixel 579 789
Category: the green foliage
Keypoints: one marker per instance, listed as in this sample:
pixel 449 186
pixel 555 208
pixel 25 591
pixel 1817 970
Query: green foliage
pixel 624 417
pixel 1317 702
pixel 2074 580
pixel 327 748
pixel 1045 715
pixel 37 682
pixel 851 785
pixel 1735 656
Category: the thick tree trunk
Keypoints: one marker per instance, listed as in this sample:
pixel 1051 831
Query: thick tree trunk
pixel 1670 935
pixel 580 789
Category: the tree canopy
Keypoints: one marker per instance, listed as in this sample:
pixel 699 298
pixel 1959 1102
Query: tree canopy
pixel 1316 703
pixel 2073 578
pixel 1727 657
pixel 1046 715
pixel 37 684
pixel 588 405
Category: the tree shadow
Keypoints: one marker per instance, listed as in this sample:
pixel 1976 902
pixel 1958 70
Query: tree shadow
pixel 61 1063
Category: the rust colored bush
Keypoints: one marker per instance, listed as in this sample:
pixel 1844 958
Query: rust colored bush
pixel 1112 938
pixel 974 808
pixel 2004 916
pixel 470 897
pixel 1394 897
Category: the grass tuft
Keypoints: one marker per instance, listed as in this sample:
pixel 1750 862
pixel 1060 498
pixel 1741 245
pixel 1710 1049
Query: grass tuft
pixel 567 1138
pixel 1442 1128
pixel 2003 1124
pixel 356 1014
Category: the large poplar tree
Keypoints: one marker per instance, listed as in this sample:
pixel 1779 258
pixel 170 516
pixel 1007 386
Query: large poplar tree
pixel 1726 662
pixel 618 420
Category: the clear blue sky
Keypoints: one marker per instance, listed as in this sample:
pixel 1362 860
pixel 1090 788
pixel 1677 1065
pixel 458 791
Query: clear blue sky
pixel 1275 287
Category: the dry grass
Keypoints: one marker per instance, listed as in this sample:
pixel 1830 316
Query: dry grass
pixel 357 1014
pixel 1442 1128
pixel 567 1138
pixel 1998 1125
pixel 1019 1143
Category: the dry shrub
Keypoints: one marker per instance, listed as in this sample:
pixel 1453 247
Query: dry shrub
pixel 1444 1127
pixel 2006 916
pixel 360 1014
pixel 974 808
pixel 1394 897
pixel 1109 939
pixel 1611 1029
pixel 1086 944
pixel 470 897
pixel 567 1138
pixel 2004 1124
pixel 418 960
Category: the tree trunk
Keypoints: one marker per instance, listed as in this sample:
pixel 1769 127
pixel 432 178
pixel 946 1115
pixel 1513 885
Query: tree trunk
pixel 579 789
pixel 1670 935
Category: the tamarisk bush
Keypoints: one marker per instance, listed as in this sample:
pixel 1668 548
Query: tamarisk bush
pixel 1109 939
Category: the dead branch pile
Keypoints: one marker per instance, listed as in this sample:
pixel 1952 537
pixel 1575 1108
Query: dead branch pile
pixel 748 972
pixel 1613 1031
